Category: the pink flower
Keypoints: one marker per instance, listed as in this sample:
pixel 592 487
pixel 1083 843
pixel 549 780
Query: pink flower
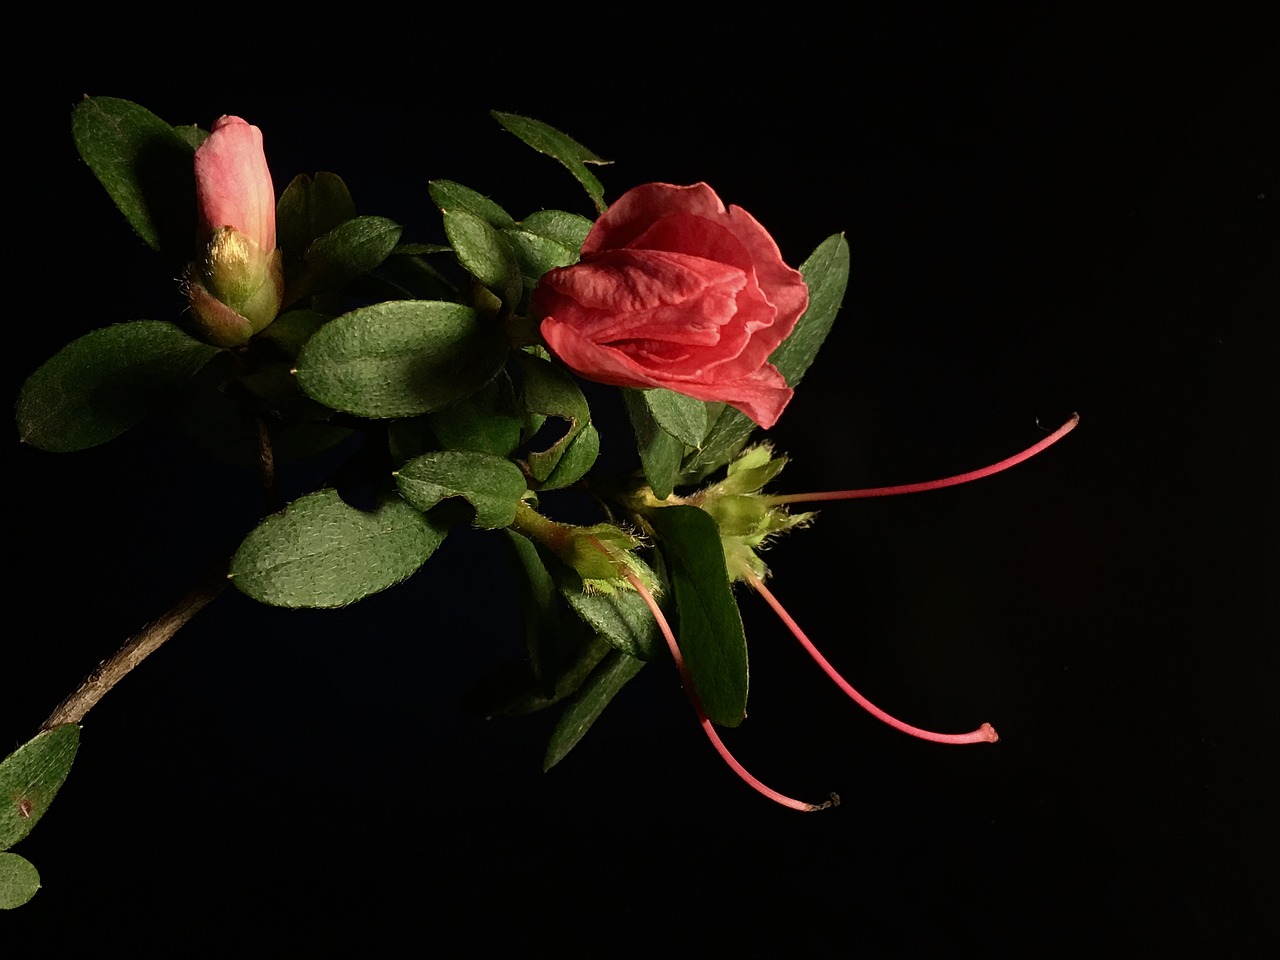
pixel 236 284
pixel 233 184
pixel 673 290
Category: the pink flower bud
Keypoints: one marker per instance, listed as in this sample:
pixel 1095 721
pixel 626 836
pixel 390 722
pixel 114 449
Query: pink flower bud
pixel 236 284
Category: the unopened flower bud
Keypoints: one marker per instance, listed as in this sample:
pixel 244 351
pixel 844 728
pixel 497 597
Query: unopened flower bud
pixel 237 281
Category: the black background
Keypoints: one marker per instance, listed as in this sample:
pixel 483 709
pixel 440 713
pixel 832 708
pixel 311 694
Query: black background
pixel 1046 212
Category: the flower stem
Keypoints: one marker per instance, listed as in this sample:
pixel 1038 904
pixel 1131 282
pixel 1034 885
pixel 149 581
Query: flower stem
pixel 707 726
pixel 959 478
pixel 984 734
pixel 137 648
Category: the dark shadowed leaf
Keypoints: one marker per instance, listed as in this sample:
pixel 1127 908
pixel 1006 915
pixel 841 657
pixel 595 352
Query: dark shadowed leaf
pixel 97 387
pixel 612 674
pixel 145 165
pixel 710 627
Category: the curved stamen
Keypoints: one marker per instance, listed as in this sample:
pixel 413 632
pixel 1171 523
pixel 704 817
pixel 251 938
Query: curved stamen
pixel 984 734
pixel 959 478
pixel 707 726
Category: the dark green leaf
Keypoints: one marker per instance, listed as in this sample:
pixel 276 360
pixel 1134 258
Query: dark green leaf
pixel 579 456
pixel 400 359
pixel 548 140
pixel 588 703
pixel 621 617
pixel 321 552
pixel 450 196
pixel 486 421
pixel 349 250
pixel 484 253
pixel 536 254
pixel 491 484
pixel 291 331
pixel 710 629
pixel 19 881
pixel 685 418
pixel 566 229
pixel 309 208
pixel 97 387
pixel 660 452
pixel 145 165
pixel 827 273
pixel 549 391
pixel 29 778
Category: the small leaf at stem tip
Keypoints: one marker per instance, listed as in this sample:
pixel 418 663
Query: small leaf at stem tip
pixel 19 881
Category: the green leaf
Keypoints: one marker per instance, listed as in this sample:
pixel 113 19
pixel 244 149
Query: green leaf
pixel 493 485
pixel 100 385
pixel 548 391
pixel 145 165
pixel 309 208
pixel 536 254
pixel 659 451
pixel 710 630
pixel 31 776
pixel 291 331
pixel 19 881
pixel 321 552
pixel 588 703
pixel 621 617
pixel 484 253
pixel 349 250
pixel 685 418
pixel 400 358
pixel 578 458
pixel 448 196
pixel 827 273
pixel 549 140
pixel 567 229
pixel 486 421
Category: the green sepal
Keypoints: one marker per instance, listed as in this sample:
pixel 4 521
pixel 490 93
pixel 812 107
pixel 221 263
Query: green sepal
pixel 31 776
pixel 586 705
pixel 400 358
pixel 309 208
pixel 322 552
pixel 97 387
pixel 827 274
pixel 710 626
pixel 19 881
pixel 449 196
pixel 491 484
pixel 547 139
pixel 146 167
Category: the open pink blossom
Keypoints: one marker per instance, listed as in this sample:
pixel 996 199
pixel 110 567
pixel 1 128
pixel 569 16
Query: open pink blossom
pixel 675 290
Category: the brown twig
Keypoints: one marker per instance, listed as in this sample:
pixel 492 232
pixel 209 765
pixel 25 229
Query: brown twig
pixel 138 648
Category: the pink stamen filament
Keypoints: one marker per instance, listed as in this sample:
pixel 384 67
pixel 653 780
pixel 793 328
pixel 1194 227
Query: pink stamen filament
pixel 959 478
pixel 707 726
pixel 984 734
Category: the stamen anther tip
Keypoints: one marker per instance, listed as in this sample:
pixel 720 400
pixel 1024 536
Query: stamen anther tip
pixel 833 802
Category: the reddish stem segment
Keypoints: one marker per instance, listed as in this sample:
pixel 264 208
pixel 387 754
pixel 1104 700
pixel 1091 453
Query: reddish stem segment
pixel 707 726
pixel 984 734
pixel 959 478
